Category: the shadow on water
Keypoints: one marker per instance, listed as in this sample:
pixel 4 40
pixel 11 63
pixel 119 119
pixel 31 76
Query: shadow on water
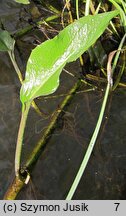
pixel 105 174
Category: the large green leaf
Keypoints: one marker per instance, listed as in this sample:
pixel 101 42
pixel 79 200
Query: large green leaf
pixel 48 59
pixel 6 41
pixel 22 1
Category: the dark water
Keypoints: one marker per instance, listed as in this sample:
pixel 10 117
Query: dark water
pixel 53 174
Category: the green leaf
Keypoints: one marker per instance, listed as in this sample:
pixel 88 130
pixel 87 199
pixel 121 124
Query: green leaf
pixel 22 1
pixel 6 41
pixel 48 59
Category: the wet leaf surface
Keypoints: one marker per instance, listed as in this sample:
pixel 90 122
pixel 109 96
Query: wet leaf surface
pixel 48 59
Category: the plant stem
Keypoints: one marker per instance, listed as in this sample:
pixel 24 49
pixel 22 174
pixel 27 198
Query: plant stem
pixel 118 53
pixel 18 183
pixel 77 9
pixel 14 188
pixel 90 147
pixel 12 57
pixel 87 6
pixel 96 131
pixel 20 137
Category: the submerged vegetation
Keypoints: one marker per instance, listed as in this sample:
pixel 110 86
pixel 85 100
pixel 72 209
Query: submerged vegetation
pixel 84 24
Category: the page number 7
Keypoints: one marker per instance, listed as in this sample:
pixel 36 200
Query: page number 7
pixel 117 205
